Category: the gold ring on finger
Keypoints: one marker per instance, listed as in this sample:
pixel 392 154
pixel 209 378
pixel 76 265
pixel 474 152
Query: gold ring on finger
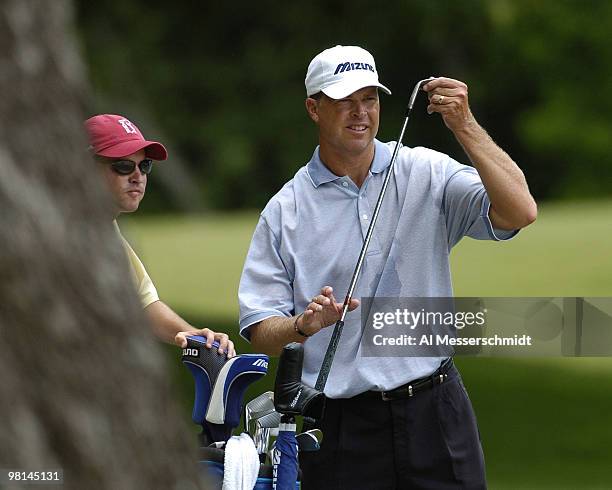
pixel 440 99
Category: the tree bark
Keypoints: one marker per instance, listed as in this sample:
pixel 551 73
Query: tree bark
pixel 83 384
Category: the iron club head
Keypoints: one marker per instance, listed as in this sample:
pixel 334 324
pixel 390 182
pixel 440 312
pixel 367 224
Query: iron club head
pixel 257 408
pixel 415 92
pixel 308 441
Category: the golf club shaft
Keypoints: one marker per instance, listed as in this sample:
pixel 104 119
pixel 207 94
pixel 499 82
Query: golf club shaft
pixel 335 338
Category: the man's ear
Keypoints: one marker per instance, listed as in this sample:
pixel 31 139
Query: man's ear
pixel 313 109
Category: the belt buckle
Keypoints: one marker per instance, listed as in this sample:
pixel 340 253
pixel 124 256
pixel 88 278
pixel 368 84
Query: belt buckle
pixel 387 398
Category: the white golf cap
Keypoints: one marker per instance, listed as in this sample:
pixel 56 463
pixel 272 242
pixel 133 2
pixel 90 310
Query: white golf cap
pixel 340 71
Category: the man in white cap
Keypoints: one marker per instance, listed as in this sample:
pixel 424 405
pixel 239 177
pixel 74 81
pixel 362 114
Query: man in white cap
pixel 125 159
pixel 390 422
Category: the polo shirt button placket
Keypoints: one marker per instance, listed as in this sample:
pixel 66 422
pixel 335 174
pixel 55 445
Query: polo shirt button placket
pixel 363 209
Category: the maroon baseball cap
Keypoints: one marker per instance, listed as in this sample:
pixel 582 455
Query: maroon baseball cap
pixel 116 136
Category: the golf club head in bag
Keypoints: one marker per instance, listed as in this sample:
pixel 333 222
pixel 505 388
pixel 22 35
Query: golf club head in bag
pixel 256 408
pixel 259 418
pixel 310 440
pixel 220 384
pixel 265 427
pixel 291 397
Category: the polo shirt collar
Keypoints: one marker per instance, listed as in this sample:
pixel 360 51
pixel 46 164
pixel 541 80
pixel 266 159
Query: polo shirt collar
pixel 320 174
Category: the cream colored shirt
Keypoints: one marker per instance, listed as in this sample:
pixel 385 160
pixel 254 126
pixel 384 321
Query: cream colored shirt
pixel 142 281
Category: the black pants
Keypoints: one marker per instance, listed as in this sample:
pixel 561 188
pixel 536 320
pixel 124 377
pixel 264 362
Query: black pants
pixel 428 441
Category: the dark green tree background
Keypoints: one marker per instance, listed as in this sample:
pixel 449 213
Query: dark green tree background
pixel 223 82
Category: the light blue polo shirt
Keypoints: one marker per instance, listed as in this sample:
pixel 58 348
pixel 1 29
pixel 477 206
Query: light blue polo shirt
pixel 310 234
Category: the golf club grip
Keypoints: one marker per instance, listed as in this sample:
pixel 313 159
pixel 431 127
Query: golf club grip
pixel 329 356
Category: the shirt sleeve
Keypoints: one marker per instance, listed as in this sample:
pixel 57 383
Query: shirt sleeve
pixel 265 286
pixel 144 285
pixel 466 207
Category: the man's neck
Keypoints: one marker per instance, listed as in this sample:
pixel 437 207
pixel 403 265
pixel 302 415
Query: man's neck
pixel 355 166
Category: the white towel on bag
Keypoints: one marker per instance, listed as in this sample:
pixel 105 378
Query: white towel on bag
pixel 241 465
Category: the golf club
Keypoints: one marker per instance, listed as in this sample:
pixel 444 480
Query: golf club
pixel 256 408
pixel 254 418
pixel 263 427
pixel 335 338
pixel 270 443
pixel 310 440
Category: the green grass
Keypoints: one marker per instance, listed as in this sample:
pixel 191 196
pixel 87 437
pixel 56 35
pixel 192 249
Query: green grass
pixel 566 252
pixel 545 423
pixel 195 262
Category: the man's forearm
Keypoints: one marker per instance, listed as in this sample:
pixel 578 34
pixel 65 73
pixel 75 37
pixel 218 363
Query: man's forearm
pixel 166 323
pixel 270 335
pixel 512 205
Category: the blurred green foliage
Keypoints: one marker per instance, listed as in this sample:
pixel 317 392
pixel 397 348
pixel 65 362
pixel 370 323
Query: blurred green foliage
pixel 223 81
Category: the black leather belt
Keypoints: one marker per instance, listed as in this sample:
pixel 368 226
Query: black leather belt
pixel 421 384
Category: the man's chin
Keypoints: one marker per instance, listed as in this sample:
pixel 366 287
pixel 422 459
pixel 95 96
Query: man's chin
pixel 359 145
pixel 129 207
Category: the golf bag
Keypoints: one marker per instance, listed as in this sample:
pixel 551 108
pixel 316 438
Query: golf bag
pixel 220 384
pixel 291 398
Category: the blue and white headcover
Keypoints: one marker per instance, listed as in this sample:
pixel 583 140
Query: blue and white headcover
pixel 220 384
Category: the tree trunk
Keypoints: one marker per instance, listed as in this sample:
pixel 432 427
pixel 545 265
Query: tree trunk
pixel 83 385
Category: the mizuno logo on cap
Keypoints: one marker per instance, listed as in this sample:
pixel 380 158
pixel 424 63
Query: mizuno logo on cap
pixel 347 66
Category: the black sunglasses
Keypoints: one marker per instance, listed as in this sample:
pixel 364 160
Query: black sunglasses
pixel 126 167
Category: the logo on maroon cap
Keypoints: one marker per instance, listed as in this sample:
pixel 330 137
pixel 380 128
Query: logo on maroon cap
pixel 128 126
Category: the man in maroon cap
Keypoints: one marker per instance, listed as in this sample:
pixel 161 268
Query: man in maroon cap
pixel 126 158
